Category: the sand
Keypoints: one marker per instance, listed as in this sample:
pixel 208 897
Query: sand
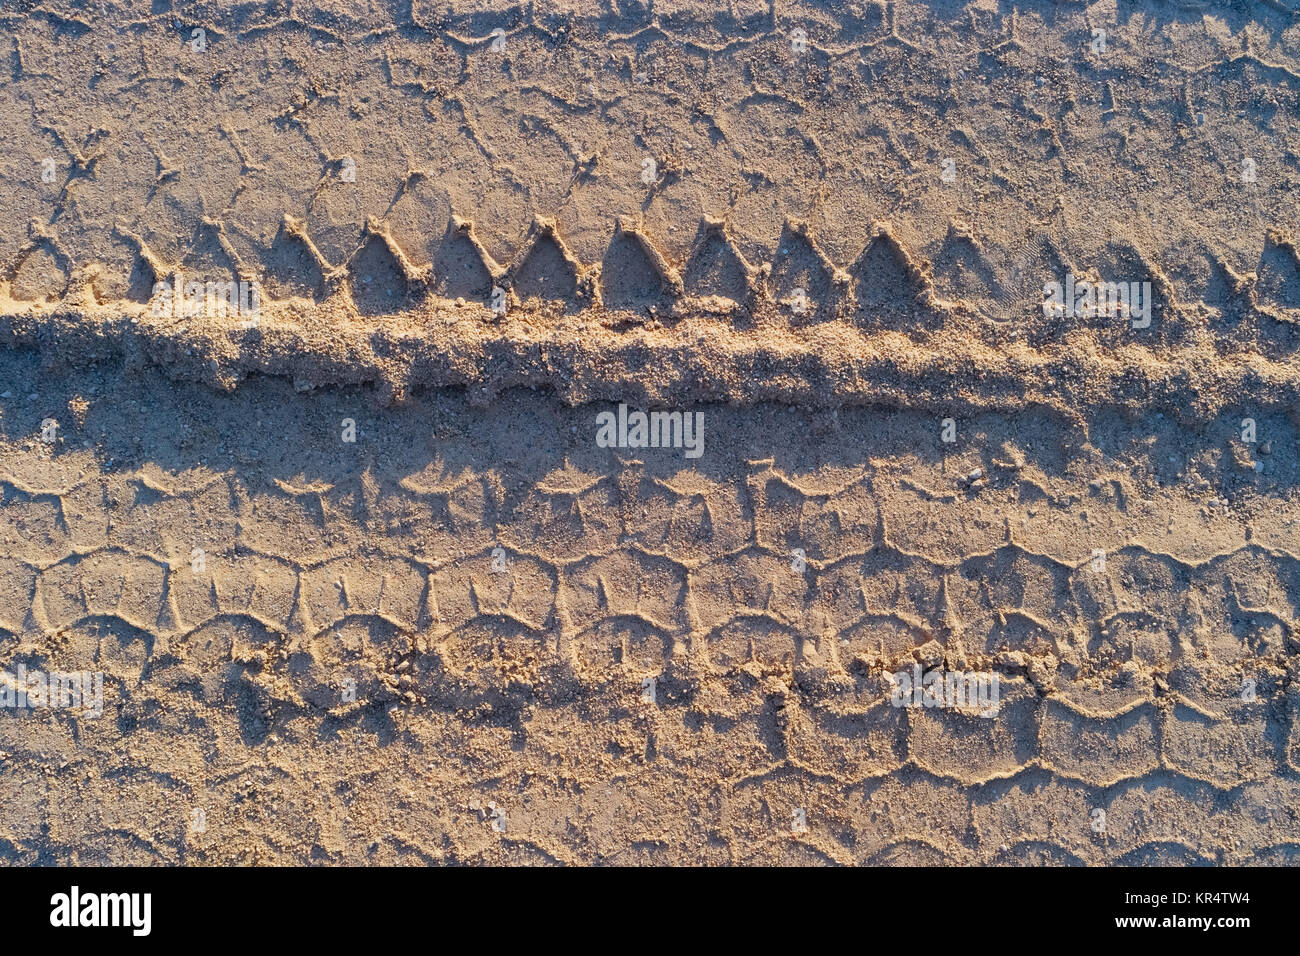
pixel 366 586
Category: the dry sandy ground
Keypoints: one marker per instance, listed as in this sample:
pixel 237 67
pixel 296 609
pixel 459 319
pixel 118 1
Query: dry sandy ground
pixel 474 635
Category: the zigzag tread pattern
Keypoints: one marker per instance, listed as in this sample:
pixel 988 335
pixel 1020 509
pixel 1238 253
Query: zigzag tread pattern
pixel 793 212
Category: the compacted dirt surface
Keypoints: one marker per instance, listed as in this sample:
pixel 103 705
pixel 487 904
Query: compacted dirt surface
pixel 368 575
